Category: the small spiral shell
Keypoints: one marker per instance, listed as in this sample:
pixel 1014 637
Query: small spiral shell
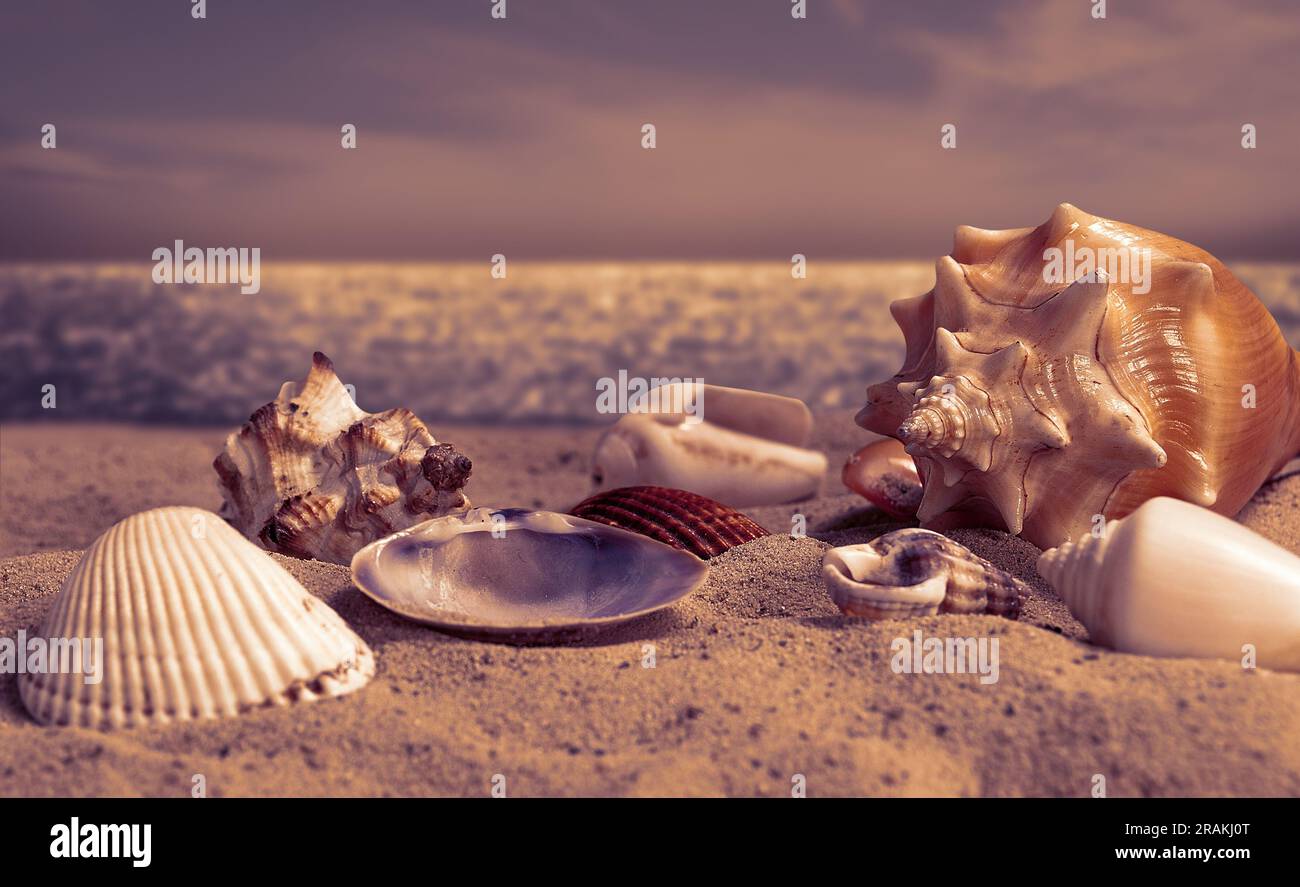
pixel 915 572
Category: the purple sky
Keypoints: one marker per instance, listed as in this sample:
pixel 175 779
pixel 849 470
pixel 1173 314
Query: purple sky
pixel 522 136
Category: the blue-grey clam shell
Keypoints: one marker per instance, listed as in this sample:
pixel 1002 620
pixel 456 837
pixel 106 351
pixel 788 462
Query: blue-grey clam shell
pixel 516 574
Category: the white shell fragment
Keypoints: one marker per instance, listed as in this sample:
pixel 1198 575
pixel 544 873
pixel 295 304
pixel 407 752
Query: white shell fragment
pixel 915 572
pixel 1175 579
pixel 195 622
pixel 313 475
pixel 518 574
pixel 738 447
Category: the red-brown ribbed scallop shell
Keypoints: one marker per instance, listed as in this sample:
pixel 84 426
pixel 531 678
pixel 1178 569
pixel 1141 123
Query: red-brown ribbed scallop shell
pixel 678 518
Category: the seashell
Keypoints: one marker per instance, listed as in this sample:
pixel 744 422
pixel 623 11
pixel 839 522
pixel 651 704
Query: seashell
pixel 1033 405
pixel 1174 579
pixel 915 572
pixel 885 475
pixel 740 447
pixel 520 576
pixel 678 518
pixel 195 622
pixel 314 476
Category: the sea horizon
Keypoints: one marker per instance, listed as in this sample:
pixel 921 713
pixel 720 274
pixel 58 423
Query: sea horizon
pixel 453 343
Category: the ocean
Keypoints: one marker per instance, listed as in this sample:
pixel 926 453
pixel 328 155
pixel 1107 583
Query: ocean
pixel 452 343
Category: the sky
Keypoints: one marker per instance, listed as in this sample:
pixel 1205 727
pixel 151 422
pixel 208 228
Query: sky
pixel 523 135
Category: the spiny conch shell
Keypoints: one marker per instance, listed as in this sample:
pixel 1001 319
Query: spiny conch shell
pixel 885 475
pixel 916 572
pixel 312 475
pixel 195 622
pixel 523 576
pixel 678 518
pixel 1033 405
pixel 1173 579
pixel 742 448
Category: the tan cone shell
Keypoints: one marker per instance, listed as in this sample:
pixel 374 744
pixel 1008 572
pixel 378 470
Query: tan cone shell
pixel 196 623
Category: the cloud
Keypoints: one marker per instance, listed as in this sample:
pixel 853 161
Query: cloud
pixel 774 136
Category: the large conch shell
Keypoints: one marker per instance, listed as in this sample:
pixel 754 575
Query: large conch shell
pixel 1034 405
pixel 739 447
pixel 1172 579
pixel 195 622
pixel 915 572
pixel 312 475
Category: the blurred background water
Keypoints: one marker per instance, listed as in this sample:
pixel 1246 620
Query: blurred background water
pixel 452 343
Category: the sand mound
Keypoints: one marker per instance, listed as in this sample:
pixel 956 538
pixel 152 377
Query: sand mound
pixel 751 686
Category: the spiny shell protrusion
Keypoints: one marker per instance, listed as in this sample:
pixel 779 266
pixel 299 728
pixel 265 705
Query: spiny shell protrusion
pixel 312 475
pixel 195 622
pixel 916 572
pixel 678 518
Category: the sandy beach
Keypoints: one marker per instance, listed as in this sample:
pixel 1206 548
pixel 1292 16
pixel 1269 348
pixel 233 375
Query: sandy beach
pixel 757 678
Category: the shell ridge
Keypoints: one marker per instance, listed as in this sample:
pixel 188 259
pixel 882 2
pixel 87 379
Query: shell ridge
pixel 259 634
pixel 156 650
pixel 221 612
pixel 712 531
pixel 170 615
pixel 132 616
pixel 178 644
pixel 303 624
pixel 54 695
pixel 643 523
pixel 109 612
pixel 290 612
pixel 682 519
pixel 50 688
pixel 206 622
pixel 101 615
pixel 256 627
pixel 618 516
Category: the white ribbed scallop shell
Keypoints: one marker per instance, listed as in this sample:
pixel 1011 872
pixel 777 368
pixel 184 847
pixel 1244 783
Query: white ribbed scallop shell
pixel 196 622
